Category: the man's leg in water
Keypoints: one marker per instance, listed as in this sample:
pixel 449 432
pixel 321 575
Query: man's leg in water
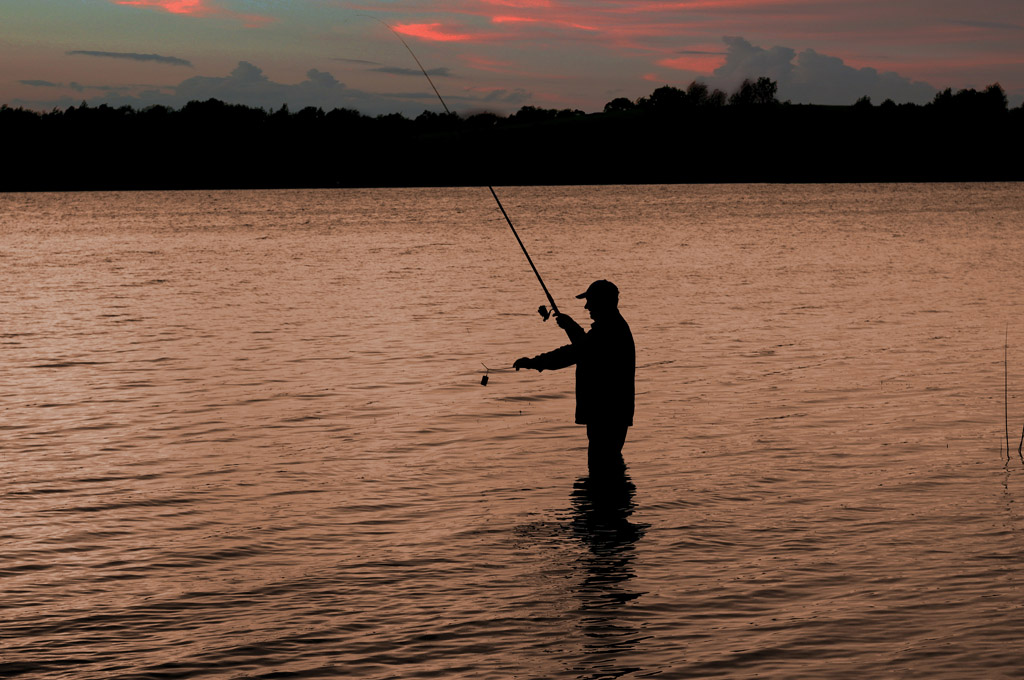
pixel 604 455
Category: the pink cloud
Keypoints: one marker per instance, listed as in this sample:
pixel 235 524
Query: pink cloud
pixel 651 35
pixel 513 20
pixel 698 63
pixel 693 5
pixel 926 67
pixel 197 8
pixel 603 21
pixel 631 24
pixel 522 4
pixel 434 32
pixel 506 19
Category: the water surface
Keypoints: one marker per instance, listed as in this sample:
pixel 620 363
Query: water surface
pixel 244 436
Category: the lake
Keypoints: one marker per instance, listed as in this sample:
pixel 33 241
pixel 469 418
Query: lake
pixel 244 434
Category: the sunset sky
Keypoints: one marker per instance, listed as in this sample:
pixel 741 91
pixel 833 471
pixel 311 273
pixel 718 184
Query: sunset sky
pixel 498 55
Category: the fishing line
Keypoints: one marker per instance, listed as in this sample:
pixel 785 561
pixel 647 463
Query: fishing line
pixel 542 311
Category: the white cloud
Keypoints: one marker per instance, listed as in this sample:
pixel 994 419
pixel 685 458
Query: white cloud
pixel 810 77
pixel 247 84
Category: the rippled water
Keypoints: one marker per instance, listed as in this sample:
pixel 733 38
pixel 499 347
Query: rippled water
pixel 243 435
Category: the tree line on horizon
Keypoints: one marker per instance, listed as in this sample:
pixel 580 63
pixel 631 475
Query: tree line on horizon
pixel 694 134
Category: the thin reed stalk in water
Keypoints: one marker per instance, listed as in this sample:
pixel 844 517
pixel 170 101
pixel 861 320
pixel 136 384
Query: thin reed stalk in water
pixel 1021 446
pixel 1006 402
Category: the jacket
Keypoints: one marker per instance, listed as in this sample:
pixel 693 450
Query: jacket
pixel 605 359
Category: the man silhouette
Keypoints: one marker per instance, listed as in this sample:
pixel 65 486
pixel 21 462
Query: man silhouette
pixel 605 359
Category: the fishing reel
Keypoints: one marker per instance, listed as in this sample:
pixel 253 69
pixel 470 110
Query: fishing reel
pixel 544 312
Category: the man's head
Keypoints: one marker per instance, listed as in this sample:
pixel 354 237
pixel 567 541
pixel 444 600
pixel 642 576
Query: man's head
pixel 602 297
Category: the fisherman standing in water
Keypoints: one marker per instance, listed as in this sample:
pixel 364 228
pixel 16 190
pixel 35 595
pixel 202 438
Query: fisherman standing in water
pixel 605 359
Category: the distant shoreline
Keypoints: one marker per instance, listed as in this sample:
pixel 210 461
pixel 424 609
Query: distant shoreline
pixel 511 185
pixel 671 137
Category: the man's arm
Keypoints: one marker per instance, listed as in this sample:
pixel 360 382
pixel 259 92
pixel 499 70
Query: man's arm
pixel 549 361
pixel 572 329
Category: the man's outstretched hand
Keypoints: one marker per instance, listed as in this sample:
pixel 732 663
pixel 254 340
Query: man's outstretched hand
pixel 525 362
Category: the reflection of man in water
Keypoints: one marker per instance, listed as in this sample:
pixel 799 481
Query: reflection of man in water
pixel 605 359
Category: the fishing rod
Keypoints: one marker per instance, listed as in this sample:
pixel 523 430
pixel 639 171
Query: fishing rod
pixel 554 307
pixel 541 310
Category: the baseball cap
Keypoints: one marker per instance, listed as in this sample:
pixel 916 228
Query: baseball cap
pixel 601 289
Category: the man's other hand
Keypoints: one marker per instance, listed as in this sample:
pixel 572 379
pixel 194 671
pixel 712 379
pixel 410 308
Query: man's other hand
pixel 525 362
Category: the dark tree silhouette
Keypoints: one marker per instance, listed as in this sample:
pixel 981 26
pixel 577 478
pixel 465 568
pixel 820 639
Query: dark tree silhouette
pixel 760 92
pixel 619 105
pixel 990 101
pixel 671 135
pixel 698 94
pixel 666 99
